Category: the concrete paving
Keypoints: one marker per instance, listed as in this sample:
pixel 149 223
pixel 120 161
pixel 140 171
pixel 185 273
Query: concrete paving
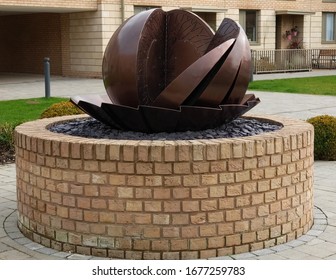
pixel 318 243
pixel 22 86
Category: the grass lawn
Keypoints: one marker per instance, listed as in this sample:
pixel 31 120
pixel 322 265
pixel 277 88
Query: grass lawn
pixel 325 85
pixel 14 112
pixel 23 110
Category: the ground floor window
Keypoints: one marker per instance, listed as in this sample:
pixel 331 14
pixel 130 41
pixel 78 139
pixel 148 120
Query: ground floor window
pixel 248 19
pixel 329 27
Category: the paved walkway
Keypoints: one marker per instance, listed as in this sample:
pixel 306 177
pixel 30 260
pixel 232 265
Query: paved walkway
pixel 22 86
pixel 318 243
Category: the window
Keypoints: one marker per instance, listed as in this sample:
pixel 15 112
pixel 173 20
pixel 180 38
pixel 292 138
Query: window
pixel 329 27
pixel 248 20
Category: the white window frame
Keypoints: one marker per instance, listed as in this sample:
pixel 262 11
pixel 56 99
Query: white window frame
pixel 252 35
pixel 328 27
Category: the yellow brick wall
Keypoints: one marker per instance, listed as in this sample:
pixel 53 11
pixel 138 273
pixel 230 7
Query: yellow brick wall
pixel 164 199
pixel 85 38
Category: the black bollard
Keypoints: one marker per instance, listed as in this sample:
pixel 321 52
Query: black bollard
pixel 47 76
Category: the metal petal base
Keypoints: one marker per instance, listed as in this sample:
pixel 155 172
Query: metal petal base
pixel 141 118
pixel 168 71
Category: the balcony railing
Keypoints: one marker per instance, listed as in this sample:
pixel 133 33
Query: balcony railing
pixel 287 60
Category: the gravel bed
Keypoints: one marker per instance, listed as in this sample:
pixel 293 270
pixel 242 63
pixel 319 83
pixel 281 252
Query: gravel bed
pixel 91 128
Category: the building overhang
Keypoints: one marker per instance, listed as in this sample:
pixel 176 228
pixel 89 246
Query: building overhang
pixel 19 9
pixel 204 9
pixel 293 12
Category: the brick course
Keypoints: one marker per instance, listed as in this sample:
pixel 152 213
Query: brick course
pixel 137 200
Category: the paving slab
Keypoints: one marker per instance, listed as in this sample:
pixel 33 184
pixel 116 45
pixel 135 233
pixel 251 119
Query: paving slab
pixel 14 255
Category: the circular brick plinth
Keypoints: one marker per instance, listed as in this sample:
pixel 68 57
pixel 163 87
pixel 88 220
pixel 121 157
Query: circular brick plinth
pixel 164 199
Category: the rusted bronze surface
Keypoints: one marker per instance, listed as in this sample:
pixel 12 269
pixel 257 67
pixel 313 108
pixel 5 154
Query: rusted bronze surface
pixel 168 71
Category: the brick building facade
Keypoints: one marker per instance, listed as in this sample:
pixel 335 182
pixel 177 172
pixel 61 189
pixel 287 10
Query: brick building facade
pixel 74 33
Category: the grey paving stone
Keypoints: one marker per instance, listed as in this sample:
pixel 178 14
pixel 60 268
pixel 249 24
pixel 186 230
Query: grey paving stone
pixel 332 222
pixel 243 256
pixel 320 222
pixel 306 238
pixel 10 227
pixel 263 252
pixel 4 247
pixel 332 257
pixel 61 254
pixel 314 233
pixel 14 255
pixel 318 213
pixel 330 229
pixel 293 254
pixel 309 257
pixel 47 251
pixel 328 237
pixel 99 258
pixel 279 248
pixel 319 227
pixel 33 246
pixel 295 243
pixel 15 235
pixel 5 212
pixel 271 257
pixel 79 257
pixel 322 250
pixel 228 258
pixel 23 240
pixel 315 241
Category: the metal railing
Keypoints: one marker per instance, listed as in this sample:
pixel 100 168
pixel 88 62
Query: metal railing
pixel 286 60
pixel 266 61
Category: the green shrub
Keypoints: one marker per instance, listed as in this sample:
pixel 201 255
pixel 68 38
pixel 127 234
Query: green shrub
pixel 7 136
pixel 63 108
pixel 325 137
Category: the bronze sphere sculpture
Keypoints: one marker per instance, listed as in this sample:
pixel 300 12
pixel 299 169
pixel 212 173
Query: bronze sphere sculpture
pixel 168 71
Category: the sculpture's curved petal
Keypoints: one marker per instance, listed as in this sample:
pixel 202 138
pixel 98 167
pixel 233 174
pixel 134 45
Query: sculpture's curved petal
pixel 233 111
pixel 91 104
pixel 128 118
pixel 198 118
pixel 160 119
pixel 178 91
pixel 242 80
pixel 223 85
pixel 227 30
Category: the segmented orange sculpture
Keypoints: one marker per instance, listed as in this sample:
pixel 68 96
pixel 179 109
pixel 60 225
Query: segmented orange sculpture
pixel 168 71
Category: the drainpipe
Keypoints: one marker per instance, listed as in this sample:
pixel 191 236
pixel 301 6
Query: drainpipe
pixel 122 3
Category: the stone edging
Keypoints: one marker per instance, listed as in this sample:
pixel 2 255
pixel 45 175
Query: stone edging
pixel 13 232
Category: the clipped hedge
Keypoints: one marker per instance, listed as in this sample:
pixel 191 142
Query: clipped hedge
pixel 325 137
pixel 63 108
